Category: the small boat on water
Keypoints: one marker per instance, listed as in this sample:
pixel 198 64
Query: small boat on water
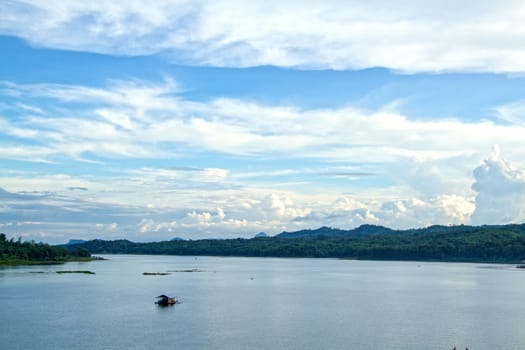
pixel 164 300
pixel 521 265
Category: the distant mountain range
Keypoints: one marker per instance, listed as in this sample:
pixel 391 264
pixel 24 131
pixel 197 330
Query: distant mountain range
pixel 75 241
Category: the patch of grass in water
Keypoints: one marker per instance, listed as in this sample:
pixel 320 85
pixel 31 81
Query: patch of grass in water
pixel 189 270
pixel 77 271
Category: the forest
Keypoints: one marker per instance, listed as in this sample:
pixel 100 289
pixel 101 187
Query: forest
pixel 436 243
pixel 15 252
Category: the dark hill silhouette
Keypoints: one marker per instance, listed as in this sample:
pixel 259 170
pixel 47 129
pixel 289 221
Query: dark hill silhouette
pixel 75 241
pixel 363 230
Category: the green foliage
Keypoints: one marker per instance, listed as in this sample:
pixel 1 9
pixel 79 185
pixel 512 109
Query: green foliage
pixel 457 243
pixel 85 272
pixel 12 251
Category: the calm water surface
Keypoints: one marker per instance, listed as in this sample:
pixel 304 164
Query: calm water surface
pixel 252 303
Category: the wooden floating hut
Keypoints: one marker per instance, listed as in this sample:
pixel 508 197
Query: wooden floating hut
pixel 164 300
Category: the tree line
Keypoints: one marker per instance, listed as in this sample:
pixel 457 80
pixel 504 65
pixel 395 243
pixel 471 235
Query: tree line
pixel 17 252
pixel 488 244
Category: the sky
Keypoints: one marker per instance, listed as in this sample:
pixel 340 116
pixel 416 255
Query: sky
pixel 222 119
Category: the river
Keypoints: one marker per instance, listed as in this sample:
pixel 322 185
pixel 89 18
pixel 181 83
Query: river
pixel 262 303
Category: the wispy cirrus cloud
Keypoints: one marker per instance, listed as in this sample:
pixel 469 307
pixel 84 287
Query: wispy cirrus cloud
pixel 481 36
pixel 144 120
pixel 512 113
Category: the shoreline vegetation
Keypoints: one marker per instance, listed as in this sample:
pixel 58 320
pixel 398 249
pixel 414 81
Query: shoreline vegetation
pixel 478 244
pixel 16 252
pixel 85 272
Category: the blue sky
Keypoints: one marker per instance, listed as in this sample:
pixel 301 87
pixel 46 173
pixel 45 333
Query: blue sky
pixel 194 120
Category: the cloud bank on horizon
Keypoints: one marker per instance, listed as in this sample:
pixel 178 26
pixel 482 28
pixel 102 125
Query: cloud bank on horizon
pixel 120 120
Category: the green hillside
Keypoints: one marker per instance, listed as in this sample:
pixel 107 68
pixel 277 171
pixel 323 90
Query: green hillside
pixel 436 243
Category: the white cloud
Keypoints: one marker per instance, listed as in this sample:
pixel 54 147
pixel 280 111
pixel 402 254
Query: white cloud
pixel 499 196
pixel 149 225
pixel 423 167
pixel 45 183
pixel 107 227
pixel 402 35
pixel 152 121
pixel 347 212
pixel 216 224
pixel 278 207
pixel 443 209
pixel 513 113
pixel 434 177
pixel 421 179
pixel 204 175
pixel 500 188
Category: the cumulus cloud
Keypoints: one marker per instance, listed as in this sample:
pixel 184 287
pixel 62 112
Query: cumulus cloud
pixel 347 212
pixel 416 212
pixel 215 224
pixel 149 226
pixel 401 35
pixel 434 177
pixel 275 206
pixel 500 188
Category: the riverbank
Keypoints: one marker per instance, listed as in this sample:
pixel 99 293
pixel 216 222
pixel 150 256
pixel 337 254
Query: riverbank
pixel 16 262
pixel 16 252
